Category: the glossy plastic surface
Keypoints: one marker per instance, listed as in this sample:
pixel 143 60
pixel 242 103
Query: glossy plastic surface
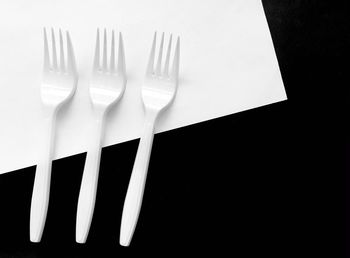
pixel 58 86
pixel 106 88
pixel 158 91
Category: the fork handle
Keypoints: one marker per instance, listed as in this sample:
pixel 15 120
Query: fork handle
pixel 134 195
pixel 41 188
pixel 88 188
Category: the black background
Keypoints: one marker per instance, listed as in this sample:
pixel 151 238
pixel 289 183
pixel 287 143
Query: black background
pixel 260 182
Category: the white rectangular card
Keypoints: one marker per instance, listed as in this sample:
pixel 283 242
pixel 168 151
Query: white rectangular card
pixel 228 65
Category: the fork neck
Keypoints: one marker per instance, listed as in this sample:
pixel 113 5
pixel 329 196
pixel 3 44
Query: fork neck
pixel 151 115
pixel 50 110
pixel 99 112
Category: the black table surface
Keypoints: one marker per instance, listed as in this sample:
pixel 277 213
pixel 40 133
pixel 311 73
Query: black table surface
pixel 260 182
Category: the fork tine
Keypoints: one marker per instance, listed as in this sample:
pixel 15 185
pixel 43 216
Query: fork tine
pixel 62 62
pixel 54 55
pixel 104 57
pixel 176 62
pixel 97 52
pixel 112 60
pixel 166 66
pixel 71 65
pixel 46 53
pixel 121 56
pixel 151 56
pixel 159 61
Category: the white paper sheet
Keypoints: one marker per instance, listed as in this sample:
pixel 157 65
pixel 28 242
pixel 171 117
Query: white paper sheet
pixel 228 64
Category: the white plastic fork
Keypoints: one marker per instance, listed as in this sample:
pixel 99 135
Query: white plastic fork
pixel 158 91
pixel 106 88
pixel 58 86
